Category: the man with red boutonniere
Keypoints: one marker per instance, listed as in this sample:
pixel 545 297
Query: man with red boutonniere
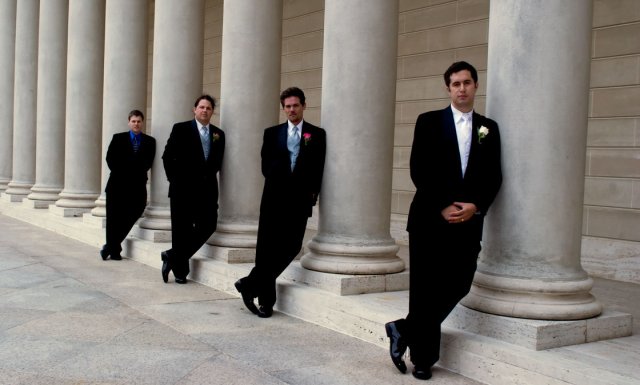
pixel 292 164
pixel 455 165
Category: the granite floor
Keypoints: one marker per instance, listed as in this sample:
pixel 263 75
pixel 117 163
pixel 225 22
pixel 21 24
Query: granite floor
pixel 67 317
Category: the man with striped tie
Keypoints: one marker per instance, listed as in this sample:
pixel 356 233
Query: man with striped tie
pixel 192 159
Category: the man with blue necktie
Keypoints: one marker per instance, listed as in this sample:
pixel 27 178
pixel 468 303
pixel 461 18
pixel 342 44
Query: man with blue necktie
pixel 192 158
pixel 129 158
pixel 292 164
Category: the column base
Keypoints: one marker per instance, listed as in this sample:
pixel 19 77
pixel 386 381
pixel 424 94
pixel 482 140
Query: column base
pixel 343 284
pixel 155 236
pixel 232 254
pixel 156 218
pixel 67 212
pixel 82 202
pixel 542 335
pixel 11 198
pixel 94 221
pixel 38 204
pixel 235 235
pixel 101 207
pixel 532 298
pixel 366 257
pixel 51 194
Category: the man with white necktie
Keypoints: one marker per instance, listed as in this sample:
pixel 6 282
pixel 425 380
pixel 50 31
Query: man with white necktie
pixel 292 164
pixel 455 166
pixel 192 158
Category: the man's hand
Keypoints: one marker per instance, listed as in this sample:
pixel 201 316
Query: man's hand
pixel 459 212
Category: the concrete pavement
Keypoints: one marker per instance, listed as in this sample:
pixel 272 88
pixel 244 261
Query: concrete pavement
pixel 67 317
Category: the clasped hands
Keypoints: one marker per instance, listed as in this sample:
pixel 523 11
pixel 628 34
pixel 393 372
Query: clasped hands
pixel 459 212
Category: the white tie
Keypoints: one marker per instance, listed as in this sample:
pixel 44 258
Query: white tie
pixel 465 146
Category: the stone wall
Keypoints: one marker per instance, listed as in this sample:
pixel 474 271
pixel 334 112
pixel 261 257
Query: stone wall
pixel 434 33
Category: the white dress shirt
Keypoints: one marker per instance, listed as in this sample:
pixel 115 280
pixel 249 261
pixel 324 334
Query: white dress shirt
pixel 464 125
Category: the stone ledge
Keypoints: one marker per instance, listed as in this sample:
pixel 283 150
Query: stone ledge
pixel 539 334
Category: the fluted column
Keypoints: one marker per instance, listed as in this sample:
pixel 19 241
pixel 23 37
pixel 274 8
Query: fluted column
pixel 359 69
pixel 52 75
pixel 85 61
pixel 24 95
pixel 7 77
pixel 246 80
pixel 125 74
pixel 530 265
pixel 177 82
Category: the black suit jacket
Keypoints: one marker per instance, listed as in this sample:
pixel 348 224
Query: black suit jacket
pixel 436 172
pixel 129 168
pixel 299 188
pixel 184 163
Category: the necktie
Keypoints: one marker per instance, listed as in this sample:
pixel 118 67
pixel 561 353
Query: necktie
pixel 293 144
pixel 136 143
pixel 204 135
pixel 465 146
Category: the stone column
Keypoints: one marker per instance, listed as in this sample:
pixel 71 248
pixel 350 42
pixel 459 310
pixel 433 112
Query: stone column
pixel 85 61
pixel 52 75
pixel 125 74
pixel 177 82
pixel 7 78
pixel 530 265
pixel 360 41
pixel 24 97
pixel 253 81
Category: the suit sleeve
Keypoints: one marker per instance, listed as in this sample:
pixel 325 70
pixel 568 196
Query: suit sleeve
pixel 151 153
pixel 114 160
pixel 267 153
pixel 169 157
pixel 425 164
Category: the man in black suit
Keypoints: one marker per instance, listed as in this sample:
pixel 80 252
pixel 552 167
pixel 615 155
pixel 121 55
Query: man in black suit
pixel 455 165
pixel 292 164
pixel 129 157
pixel 192 159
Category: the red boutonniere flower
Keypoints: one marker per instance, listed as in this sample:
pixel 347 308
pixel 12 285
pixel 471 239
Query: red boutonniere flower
pixel 307 138
pixel 216 137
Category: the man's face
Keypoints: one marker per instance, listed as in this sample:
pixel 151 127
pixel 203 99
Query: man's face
pixel 462 90
pixel 135 124
pixel 293 109
pixel 203 111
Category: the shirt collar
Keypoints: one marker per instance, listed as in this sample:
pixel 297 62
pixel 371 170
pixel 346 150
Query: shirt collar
pixel 200 125
pixel 457 114
pixel 132 135
pixel 290 128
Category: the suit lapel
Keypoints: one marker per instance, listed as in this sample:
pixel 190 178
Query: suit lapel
pixel 451 137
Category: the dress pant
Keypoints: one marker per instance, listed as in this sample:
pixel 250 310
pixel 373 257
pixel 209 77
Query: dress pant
pixel 123 210
pixel 280 236
pixel 442 265
pixel 193 221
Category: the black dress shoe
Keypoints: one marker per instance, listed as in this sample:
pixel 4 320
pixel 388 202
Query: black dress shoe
pixel 246 298
pixel 104 253
pixel 166 267
pixel 116 257
pixel 397 346
pixel 181 280
pixel 265 312
pixel 421 373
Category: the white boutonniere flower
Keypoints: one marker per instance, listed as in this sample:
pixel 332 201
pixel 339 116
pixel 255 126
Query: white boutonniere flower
pixel 482 133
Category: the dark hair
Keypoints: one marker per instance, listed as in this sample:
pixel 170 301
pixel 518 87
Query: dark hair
pixel 457 67
pixel 208 98
pixel 136 113
pixel 292 91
